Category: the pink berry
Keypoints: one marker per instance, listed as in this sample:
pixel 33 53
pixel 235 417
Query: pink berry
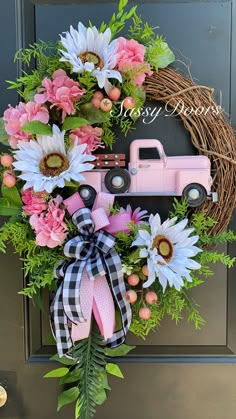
pixel 151 297
pixel 145 270
pixel 131 296
pixel 9 181
pixel 114 93
pixel 144 313
pixel 133 280
pixel 129 102
pixel 96 102
pixel 98 95
pixel 106 105
pixel 6 160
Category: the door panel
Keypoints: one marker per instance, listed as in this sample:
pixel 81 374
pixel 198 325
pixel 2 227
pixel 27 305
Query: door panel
pixel 202 32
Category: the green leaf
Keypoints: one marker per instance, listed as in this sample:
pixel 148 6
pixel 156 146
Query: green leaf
pixel 3 135
pixel 67 397
pixel 12 196
pixel 63 360
pixel 158 54
pixel 37 127
pixel 119 351
pixel 58 372
pixel 77 409
pixel 100 397
pixel 73 122
pixel 113 369
pixel 92 114
pixel 71 377
pixel 6 210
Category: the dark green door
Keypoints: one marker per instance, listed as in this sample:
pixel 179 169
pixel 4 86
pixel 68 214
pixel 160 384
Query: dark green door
pixel 178 372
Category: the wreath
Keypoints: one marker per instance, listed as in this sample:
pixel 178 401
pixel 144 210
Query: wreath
pixel 110 269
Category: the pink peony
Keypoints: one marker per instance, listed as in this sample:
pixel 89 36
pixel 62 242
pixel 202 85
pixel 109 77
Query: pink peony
pixel 130 57
pixel 15 118
pixel 87 135
pixel 62 92
pixel 34 202
pixel 50 228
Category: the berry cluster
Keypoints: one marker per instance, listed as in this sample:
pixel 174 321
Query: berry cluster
pixel 9 178
pixel 150 297
pixel 105 103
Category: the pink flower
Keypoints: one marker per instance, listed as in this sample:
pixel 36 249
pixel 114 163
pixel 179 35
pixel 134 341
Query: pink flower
pixel 62 92
pixel 87 135
pixel 130 57
pixel 137 215
pixel 50 228
pixel 15 118
pixel 34 202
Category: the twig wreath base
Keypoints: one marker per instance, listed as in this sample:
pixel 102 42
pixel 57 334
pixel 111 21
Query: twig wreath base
pixel 210 134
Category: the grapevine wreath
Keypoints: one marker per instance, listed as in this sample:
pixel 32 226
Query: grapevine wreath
pixel 109 269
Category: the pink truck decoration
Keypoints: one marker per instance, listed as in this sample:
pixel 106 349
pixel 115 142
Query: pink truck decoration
pixel 157 174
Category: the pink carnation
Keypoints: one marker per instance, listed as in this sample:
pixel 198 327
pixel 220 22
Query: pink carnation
pixel 87 135
pixel 62 92
pixel 34 202
pixel 15 118
pixel 130 57
pixel 50 228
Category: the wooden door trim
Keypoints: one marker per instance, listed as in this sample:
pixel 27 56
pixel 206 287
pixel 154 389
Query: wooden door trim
pixel 35 351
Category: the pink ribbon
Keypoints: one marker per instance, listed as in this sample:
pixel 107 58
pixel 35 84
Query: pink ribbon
pixel 95 296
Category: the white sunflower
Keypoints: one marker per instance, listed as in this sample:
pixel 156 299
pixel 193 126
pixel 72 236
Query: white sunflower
pixel 45 164
pixel 89 50
pixel 168 249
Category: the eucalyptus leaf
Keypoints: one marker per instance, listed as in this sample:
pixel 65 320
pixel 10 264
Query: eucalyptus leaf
pixel 3 134
pixel 92 114
pixel 71 377
pixel 72 122
pixel 100 397
pixel 37 127
pixel 6 210
pixel 67 397
pixel 63 360
pixel 12 196
pixel 114 369
pixel 58 372
pixel 121 350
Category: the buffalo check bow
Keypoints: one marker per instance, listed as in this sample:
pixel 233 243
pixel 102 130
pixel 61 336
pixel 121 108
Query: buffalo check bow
pixel 94 262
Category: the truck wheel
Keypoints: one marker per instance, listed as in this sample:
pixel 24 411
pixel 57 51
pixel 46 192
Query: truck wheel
pixel 88 194
pixel 195 194
pixel 117 180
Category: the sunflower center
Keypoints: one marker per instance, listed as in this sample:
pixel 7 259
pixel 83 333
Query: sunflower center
pixel 163 246
pixel 53 164
pixel 91 57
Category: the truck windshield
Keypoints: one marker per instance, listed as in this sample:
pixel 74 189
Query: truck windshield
pixel 148 153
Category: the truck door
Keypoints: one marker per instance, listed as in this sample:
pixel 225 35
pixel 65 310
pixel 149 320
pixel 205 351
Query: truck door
pixel 150 171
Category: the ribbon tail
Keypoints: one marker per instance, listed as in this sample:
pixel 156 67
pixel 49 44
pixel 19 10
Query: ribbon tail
pixel 114 267
pixel 59 324
pixel 103 307
pixel 71 291
pixel 81 330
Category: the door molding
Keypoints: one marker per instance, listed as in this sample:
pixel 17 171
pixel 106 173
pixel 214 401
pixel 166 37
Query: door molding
pixel 35 350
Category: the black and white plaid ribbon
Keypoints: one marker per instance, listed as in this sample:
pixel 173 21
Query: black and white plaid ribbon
pixel 93 251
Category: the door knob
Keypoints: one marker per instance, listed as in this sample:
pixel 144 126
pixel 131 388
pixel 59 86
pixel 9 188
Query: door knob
pixel 3 396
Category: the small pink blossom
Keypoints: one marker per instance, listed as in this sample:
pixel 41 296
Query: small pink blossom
pixel 137 215
pixel 15 118
pixel 130 57
pixel 61 92
pixel 34 202
pixel 87 135
pixel 50 228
